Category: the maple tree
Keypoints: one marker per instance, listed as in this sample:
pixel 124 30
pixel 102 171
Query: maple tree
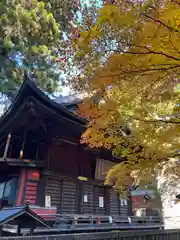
pixel 84 13
pixel 129 63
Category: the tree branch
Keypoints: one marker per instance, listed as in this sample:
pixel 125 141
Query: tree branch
pixel 150 51
pixel 156 121
pixel 141 71
pixel 175 48
pixel 153 52
pixel 162 23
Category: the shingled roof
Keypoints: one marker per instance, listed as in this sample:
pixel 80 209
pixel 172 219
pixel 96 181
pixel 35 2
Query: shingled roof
pixel 16 215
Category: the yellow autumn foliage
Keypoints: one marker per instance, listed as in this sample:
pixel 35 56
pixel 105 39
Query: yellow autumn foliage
pixel 131 68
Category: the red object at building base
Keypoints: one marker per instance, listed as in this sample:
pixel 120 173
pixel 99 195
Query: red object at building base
pixel 97 220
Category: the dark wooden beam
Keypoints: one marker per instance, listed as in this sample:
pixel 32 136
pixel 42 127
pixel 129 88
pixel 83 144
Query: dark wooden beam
pixel 67 141
pixel 19 230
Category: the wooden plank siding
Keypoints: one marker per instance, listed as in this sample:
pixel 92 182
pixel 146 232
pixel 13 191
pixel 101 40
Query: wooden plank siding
pixel 72 196
pixel 100 208
pixel 102 168
pixel 54 189
pixel 114 203
pixel 124 207
pixel 69 197
pixel 87 207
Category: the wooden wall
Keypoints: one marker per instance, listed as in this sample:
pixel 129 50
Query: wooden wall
pixel 70 160
pixel 114 202
pixel 87 190
pixel 72 196
pixel 68 195
pixel 102 168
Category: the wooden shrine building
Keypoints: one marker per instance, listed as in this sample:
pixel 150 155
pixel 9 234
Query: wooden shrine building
pixel 42 160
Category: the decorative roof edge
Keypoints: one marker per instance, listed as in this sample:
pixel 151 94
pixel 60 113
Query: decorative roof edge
pixel 29 87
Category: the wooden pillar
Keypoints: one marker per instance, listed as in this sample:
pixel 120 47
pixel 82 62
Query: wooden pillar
pixel 19 230
pixel 79 197
pixel 62 195
pixel 32 231
pixel 130 210
pixel 21 187
pixel 119 204
pixel 94 200
pixel 41 191
pixel 7 146
pixel 107 200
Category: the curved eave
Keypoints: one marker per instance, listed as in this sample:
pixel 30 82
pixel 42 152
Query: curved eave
pixel 30 90
pixel 52 104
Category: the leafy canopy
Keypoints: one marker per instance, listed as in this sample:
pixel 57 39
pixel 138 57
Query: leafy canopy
pixel 31 40
pixel 35 37
pixel 28 35
pixel 129 60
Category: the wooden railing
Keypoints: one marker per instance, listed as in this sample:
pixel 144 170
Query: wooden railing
pixel 83 222
pixel 117 235
pixel 90 223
